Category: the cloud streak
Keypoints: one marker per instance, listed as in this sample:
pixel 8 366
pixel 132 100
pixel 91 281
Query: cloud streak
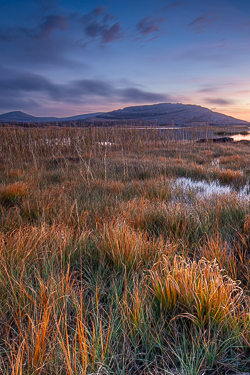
pixel 139 96
pixel 23 85
pixel 99 26
pixel 149 28
pixel 47 4
pixel 200 24
pixel 174 5
pixel 218 101
pixel 5 36
pixel 43 31
pixel 51 24
pixel 149 25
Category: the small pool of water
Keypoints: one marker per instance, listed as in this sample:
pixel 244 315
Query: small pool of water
pixel 56 141
pixel 204 188
pixel 106 143
pixel 158 127
pixel 240 137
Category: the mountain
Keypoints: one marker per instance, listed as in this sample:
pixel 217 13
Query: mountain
pixel 167 113
pixel 162 114
pixel 18 116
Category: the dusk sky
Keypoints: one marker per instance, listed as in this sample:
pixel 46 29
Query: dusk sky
pixel 63 58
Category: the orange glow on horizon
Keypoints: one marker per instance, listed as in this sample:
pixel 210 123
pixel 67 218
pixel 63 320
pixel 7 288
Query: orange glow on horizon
pixel 239 113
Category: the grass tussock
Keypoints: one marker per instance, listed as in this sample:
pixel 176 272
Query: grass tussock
pixel 12 194
pixel 199 290
pixel 108 266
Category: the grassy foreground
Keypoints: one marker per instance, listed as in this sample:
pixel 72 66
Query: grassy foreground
pixel 107 266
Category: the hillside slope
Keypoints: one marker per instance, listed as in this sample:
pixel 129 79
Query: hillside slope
pixel 167 113
pixel 18 116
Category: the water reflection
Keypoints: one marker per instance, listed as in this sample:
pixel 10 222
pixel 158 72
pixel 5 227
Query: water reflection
pixel 157 127
pixel 204 188
pixel 240 137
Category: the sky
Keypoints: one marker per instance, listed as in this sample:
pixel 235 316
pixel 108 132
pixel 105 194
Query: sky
pixel 68 57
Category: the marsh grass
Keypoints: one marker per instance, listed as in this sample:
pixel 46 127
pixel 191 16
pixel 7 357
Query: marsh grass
pixel 12 194
pixel 109 267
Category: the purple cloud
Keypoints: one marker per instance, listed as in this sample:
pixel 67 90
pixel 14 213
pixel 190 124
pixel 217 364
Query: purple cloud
pixel 47 4
pixel 149 25
pixel 176 4
pixel 21 85
pixel 112 33
pixel 98 26
pixel 139 96
pixel 209 89
pixel 91 87
pixel 93 14
pixel 5 36
pixel 218 101
pixel 200 24
pixel 51 24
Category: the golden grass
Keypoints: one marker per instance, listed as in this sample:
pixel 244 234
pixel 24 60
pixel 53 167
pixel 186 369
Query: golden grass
pixel 197 290
pixel 13 193
pixel 108 267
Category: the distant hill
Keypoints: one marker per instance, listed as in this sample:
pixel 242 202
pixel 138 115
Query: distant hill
pixel 167 113
pixel 18 116
pixel 162 114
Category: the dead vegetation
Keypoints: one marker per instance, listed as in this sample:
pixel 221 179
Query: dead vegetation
pixel 108 267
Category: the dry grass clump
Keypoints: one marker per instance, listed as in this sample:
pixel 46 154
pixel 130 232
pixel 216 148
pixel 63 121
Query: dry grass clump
pixel 124 247
pixel 13 193
pixel 198 290
pixel 108 266
pixel 227 176
pixel 15 174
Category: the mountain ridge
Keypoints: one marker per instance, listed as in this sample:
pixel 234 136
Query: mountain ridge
pixel 162 114
pixel 19 116
pixel 167 113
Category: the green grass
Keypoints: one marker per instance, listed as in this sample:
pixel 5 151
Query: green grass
pixel 108 267
pixel 238 130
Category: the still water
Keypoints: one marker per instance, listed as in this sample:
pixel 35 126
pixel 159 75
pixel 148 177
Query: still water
pixel 204 188
pixel 240 137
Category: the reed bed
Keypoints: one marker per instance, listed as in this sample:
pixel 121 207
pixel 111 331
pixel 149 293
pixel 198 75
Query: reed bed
pixel 107 266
